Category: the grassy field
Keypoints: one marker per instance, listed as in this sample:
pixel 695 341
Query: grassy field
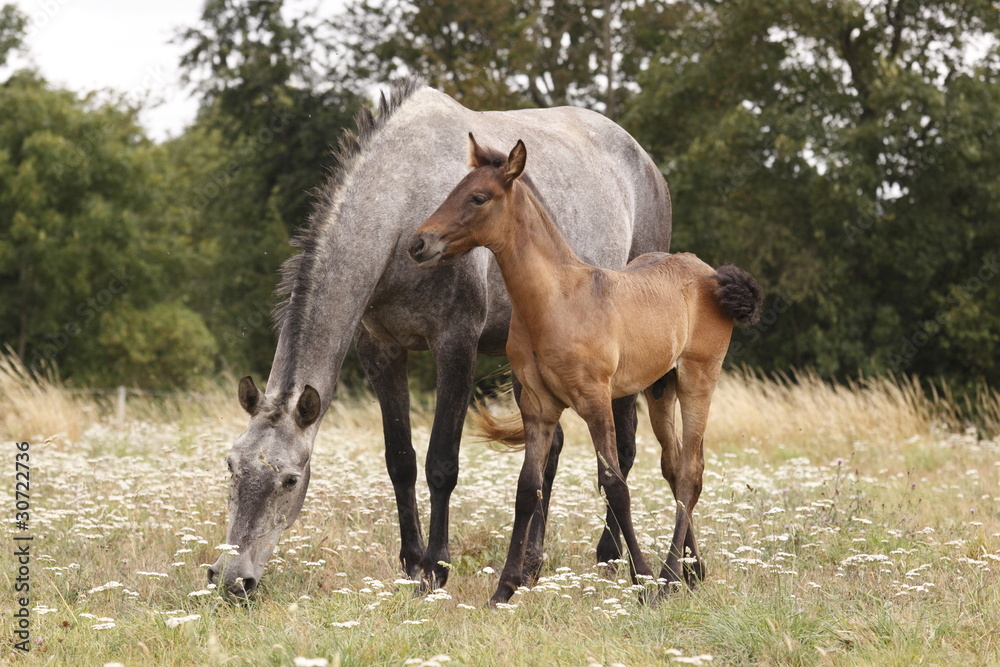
pixel 841 526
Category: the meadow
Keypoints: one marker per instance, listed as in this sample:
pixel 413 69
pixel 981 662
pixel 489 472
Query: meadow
pixel 842 525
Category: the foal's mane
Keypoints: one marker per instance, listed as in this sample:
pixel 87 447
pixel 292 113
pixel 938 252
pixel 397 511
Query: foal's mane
pixel 296 271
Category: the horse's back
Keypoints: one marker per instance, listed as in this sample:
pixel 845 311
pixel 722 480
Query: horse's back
pixel 597 183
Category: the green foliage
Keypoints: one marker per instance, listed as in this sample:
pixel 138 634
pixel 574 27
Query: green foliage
pixel 80 241
pixel 848 156
pixel 260 145
pixel 12 25
pixel 162 346
pixel 495 54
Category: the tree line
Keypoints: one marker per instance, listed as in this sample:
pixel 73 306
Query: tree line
pixel 847 154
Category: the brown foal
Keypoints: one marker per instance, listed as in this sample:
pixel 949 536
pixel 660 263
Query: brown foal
pixel 581 336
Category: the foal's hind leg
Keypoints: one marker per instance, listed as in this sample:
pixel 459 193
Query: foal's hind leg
pixel 696 381
pixel 661 400
pixel 385 366
pixel 609 547
pixel 596 411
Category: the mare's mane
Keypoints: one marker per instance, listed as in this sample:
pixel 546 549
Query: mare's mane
pixel 296 272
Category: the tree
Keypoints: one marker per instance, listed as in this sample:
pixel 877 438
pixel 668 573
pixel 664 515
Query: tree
pixel 81 248
pixel 848 155
pixel 261 144
pixel 498 54
pixel 12 25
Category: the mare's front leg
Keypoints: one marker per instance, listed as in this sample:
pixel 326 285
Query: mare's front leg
pixel 385 366
pixel 529 506
pixel 455 360
pixel 609 547
pixel 596 411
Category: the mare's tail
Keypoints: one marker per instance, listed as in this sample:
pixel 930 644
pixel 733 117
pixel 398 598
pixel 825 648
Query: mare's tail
pixel 739 295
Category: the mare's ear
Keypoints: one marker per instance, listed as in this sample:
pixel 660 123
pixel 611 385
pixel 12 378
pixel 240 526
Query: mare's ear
pixel 477 156
pixel 307 411
pixel 515 162
pixel 249 395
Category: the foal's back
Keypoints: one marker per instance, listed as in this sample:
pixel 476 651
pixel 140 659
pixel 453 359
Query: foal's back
pixel 664 309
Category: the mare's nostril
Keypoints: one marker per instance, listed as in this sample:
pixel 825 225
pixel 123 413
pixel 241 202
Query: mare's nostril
pixel 249 585
pixel 211 574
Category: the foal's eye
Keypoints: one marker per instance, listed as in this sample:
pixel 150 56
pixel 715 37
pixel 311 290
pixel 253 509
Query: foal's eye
pixel 478 200
pixel 290 481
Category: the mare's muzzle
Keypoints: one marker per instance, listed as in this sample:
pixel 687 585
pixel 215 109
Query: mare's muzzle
pixel 234 576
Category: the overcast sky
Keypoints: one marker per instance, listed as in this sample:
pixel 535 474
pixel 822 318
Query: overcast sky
pixel 122 45
pixel 114 44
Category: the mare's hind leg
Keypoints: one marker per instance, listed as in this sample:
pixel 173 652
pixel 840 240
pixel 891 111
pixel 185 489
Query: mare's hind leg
pixel 534 553
pixel 385 366
pixel 609 547
pixel 696 381
pixel 455 360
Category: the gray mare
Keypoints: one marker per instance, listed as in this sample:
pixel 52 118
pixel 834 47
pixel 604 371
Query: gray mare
pixel 353 279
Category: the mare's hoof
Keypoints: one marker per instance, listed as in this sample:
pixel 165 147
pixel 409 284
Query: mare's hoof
pixel 503 594
pixel 609 549
pixel 434 577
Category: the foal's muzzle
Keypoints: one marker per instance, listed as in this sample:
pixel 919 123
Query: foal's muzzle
pixel 426 249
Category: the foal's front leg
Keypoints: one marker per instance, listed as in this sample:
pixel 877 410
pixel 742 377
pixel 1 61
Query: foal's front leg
pixel 529 506
pixel 609 546
pixel 534 554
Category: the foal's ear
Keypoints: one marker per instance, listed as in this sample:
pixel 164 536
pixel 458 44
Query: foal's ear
pixel 249 395
pixel 477 156
pixel 515 162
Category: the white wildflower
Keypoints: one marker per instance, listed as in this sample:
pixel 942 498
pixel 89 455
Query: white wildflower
pixel 310 662
pixel 178 620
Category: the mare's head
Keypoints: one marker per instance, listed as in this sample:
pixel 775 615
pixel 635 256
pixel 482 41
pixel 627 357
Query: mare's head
pixel 476 211
pixel 269 463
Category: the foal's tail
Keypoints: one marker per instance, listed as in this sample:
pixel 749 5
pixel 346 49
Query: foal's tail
pixel 503 433
pixel 507 433
pixel 739 295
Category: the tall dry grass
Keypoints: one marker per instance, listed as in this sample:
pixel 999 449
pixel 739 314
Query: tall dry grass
pixel 809 411
pixel 891 560
pixel 806 411
pixel 38 406
pixel 812 414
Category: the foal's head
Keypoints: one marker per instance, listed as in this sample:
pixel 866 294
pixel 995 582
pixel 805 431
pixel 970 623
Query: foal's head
pixel 473 213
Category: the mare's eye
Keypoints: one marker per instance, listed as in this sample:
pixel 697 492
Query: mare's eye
pixel 290 481
pixel 478 200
